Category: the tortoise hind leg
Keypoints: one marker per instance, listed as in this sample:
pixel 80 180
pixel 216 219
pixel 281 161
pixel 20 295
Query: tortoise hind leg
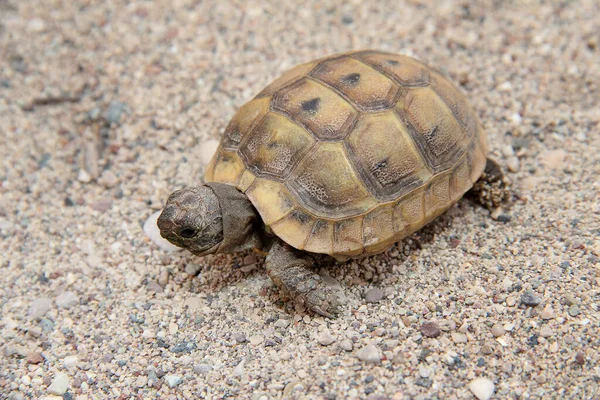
pixel 290 271
pixel 492 190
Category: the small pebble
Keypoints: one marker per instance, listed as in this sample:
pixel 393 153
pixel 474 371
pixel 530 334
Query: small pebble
pixel 34 358
pixel 458 337
pixel 255 340
pixel 498 330
pixel 369 354
pixel 194 303
pixel 512 163
pixel 346 345
pixel 67 300
pixel 102 205
pixel 547 314
pixel 108 179
pixel 39 307
pixel 239 369
pixel 151 230
pixel 574 311
pixel 202 369
pixel 192 269
pixel 324 338
pixel 154 287
pixel 373 295
pixel 239 337
pixel 173 380
pixel 70 361
pixel 530 299
pixel 482 388
pixel 141 381
pixel 430 329
pixel 424 372
pixel 114 111
pixel 580 358
pixel 546 331
pixel 59 384
pixel 163 278
pixel 282 323
pixel 570 300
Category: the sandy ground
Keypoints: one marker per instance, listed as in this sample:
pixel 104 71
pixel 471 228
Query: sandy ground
pixel 106 107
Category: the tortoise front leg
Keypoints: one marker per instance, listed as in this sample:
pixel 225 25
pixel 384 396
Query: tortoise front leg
pixel 290 271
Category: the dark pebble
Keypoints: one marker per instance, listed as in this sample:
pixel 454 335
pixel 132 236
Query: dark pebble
pixel 184 347
pixel 113 114
pixel 239 337
pixel 424 382
pixel 580 358
pixel 530 299
pixel 347 20
pixel 430 329
pixel 504 218
pixel 533 340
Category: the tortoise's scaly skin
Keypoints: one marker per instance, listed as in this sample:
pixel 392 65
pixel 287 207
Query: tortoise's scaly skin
pixel 351 153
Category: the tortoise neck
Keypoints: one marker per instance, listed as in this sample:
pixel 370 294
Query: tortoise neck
pixel 242 225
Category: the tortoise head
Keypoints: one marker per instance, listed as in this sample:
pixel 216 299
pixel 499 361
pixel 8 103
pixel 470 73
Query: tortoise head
pixel 192 220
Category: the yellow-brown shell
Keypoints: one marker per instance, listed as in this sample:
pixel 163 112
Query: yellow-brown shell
pixel 351 153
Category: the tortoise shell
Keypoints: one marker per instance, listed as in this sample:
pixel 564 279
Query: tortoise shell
pixel 349 154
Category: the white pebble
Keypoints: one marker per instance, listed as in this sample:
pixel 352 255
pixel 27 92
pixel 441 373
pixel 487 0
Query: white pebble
pixel 255 340
pixel 504 87
pixel 59 385
pixel 324 338
pixel 152 231
pixel 346 345
pixel 512 163
pixel 458 337
pixel 482 388
pixel 173 380
pixel 369 354
pixel 67 300
pixel 70 361
pixel 39 307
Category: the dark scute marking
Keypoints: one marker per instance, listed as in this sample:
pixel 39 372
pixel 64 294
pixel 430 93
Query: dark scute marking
pixel 392 62
pixel 272 145
pixel 380 165
pixel 350 79
pixel 301 217
pixel 311 106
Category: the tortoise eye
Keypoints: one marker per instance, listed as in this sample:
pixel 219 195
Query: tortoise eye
pixel 187 233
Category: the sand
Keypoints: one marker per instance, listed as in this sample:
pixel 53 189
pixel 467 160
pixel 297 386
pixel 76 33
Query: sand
pixel 107 107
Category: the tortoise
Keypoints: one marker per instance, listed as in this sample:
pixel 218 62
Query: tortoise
pixel 343 156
